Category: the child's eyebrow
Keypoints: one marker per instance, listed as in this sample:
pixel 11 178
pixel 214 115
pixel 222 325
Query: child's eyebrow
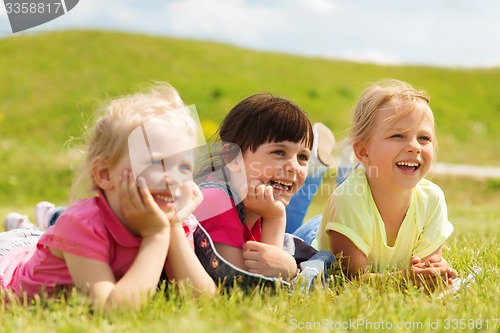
pixel 283 145
pixel 397 129
pixel 159 156
pixel 405 129
pixel 166 156
pixel 277 144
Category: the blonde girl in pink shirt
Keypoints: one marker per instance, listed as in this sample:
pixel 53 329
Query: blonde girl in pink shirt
pixel 114 245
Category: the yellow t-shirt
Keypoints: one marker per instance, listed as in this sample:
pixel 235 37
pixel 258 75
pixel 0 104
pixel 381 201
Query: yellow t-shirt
pixel 351 211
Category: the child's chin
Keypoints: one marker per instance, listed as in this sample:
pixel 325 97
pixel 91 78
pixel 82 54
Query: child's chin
pixel 284 200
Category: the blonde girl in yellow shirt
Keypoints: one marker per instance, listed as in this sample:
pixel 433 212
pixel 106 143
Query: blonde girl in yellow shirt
pixel 386 217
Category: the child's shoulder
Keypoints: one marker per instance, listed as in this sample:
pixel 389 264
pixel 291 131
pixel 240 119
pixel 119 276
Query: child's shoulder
pixel 217 189
pixel 429 189
pixel 213 190
pixel 215 194
pixel 429 186
pixel 85 213
pixel 218 198
pixel 85 206
pixel 355 185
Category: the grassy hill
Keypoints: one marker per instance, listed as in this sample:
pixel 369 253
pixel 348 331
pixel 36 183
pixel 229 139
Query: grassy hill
pixel 52 82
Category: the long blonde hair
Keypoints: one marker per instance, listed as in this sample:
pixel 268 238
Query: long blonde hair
pixel 374 98
pixel 377 96
pixel 108 137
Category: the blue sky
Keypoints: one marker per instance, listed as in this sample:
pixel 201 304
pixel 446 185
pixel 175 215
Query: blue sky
pixel 451 33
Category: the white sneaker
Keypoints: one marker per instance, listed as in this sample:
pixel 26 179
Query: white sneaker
pixel 16 221
pixel 43 213
pixel 323 142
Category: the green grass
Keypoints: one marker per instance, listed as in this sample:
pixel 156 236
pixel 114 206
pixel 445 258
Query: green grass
pixel 473 210
pixel 473 207
pixel 52 82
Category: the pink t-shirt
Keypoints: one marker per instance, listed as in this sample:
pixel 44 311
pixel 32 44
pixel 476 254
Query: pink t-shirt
pixel 89 229
pixel 222 221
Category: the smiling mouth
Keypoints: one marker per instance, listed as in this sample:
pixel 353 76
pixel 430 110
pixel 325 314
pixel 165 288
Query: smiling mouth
pixel 163 198
pixel 281 185
pixel 408 166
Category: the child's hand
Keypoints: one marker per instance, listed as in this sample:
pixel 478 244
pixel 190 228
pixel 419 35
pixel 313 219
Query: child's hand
pixel 437 261
pixel 268 260
pixel 141 213
pixel 260 200
pixel 433 259
pixel 196 197
pixel 431 273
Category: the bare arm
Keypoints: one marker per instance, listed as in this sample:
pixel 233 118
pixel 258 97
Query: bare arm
pixel 259 258
pixel 232 254
pixel 147 220
pixel 420 273
pixel 260 200
pixel 268 260
pixel 96 278
pixel 266 257
pixel 351 259
pixel 431 270
pixel 183 265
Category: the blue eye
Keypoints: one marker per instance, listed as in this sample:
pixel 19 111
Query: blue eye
pixel 424 138
pixel 303 157
pixel 186 168
pixel 279 152
pixel 397 136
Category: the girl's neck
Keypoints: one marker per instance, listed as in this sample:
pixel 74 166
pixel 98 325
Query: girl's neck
pixel 392 206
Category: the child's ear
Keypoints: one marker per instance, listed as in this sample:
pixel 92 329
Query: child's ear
pixel 235 164
pixel 233 161
pixel 101 173
pixel 361 153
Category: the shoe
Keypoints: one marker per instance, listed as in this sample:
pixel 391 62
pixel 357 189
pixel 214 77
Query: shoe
pixel 43 213
pixel 323 143
pixel 16 221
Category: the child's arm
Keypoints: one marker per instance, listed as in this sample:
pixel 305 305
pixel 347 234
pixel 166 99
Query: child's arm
pixel 260 200
pixel 268 260
pixel 353 263
pixel 259 258
pixel 146 219
pixel 351 259
pixel 267 257
pixel 431 270
pixel 182 263
pixel 96 278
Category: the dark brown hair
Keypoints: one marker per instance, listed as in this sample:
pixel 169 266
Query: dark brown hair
pixel 263 118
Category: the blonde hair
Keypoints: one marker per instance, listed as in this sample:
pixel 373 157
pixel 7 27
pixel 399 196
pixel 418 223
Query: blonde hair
pixel 108 137
pixel 377 96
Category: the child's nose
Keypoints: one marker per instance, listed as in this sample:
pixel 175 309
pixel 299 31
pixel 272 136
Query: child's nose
pixel 414 146
pixel 293 165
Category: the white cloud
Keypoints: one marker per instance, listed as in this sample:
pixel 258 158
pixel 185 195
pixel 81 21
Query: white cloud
pixel 375 57
pixel 322 7
pixel 448 32
pixel 235 21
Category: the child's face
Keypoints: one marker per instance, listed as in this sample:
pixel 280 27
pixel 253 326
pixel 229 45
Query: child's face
pixel 399 152
pixel 283 165
pixel 164 159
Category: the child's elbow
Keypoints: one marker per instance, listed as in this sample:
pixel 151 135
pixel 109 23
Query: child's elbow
pixel 209 290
